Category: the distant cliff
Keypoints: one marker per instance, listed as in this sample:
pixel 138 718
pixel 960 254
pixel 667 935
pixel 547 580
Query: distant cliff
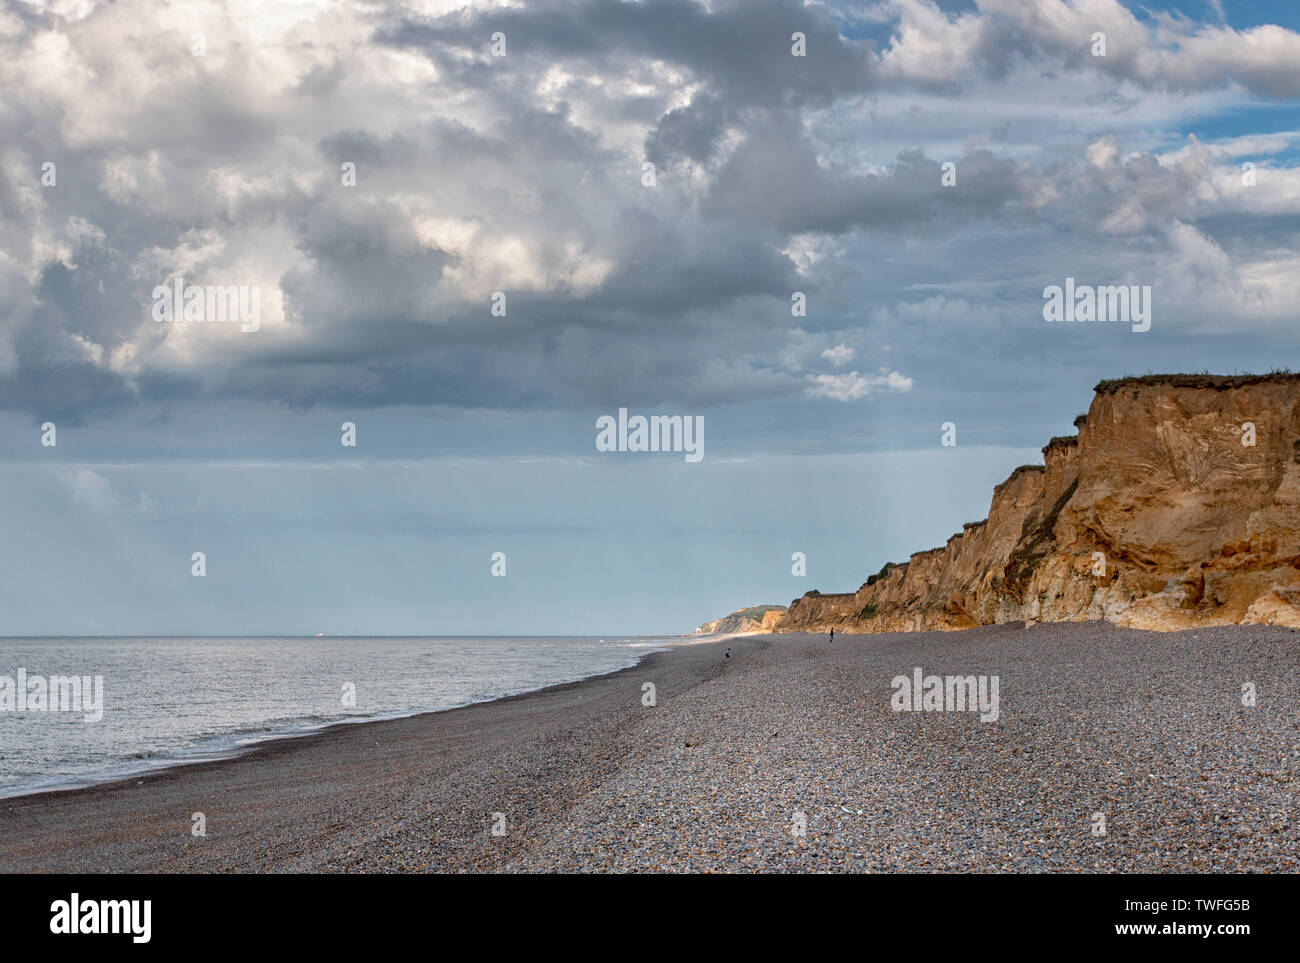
pixel 756 618
pixel 1176 505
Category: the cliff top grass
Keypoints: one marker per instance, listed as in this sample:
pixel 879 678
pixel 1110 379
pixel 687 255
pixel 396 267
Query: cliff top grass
pixel 1061 441
pixel 756 611
pixel 1201 380
pixel 884 570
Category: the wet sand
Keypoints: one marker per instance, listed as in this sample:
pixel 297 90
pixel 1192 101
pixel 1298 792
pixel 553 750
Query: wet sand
pixel 735 757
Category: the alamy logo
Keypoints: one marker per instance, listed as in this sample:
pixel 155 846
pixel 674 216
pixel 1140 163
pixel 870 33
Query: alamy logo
pixel 74 915
pixel 1122 303
pixel 213 302
pixel 657 433
pixel 58 693
pixel 950 693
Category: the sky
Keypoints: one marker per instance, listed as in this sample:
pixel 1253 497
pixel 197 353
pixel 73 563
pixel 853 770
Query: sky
pixel 474 229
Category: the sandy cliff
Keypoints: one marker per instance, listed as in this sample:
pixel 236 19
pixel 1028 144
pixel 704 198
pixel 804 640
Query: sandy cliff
pixel 1167 510
pixel 756 618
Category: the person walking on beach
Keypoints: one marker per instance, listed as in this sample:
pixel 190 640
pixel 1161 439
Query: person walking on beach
pixel 727 654
pixel 832 633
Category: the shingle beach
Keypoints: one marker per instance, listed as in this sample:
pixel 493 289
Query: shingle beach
pixel 738 755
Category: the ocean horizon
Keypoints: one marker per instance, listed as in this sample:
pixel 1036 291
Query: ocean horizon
pixel 175 700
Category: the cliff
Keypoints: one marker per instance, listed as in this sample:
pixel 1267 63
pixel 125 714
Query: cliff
pixel 756 618
pixel 1177 504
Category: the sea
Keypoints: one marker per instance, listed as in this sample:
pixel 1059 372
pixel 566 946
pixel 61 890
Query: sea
pixel 172 701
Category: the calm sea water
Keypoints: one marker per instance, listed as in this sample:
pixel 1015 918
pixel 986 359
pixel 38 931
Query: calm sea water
pixel 171 701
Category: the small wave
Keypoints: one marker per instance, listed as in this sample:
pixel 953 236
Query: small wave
pixel 224 742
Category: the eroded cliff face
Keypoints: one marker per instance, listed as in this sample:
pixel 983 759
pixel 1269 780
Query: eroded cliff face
pixel 756 618
pixel 1159 514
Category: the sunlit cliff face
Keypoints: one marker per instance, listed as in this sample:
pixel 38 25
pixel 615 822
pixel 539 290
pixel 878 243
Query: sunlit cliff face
pixel 1177 505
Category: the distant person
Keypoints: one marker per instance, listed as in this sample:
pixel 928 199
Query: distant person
pixel 832 633
pixel 727 654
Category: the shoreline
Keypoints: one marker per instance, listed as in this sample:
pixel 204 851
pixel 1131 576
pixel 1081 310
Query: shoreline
pixel 34 838
pixel 255 743
pixel 585 776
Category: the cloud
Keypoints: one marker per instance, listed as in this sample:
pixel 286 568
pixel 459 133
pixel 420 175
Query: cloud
pixel 930 48
pixel 839 355
pixel 853 386
pixel 522 175
pixel 89 488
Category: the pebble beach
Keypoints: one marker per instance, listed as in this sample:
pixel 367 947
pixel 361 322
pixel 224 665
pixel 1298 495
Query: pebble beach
pixel 786 757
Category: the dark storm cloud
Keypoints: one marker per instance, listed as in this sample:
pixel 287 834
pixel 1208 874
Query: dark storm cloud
pixel 774 179
pixel 690 132
pixel 742 49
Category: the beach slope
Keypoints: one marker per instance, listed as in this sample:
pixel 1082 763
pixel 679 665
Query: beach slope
pixel 735 756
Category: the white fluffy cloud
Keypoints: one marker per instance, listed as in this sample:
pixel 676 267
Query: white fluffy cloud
pixel 840 355
pixel 930 47
pixel 853 386
pixel 89 488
